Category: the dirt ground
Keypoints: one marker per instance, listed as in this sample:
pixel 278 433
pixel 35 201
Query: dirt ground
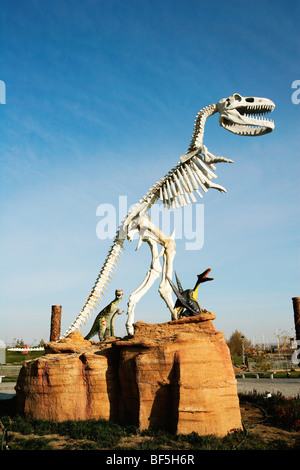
pixel 254 420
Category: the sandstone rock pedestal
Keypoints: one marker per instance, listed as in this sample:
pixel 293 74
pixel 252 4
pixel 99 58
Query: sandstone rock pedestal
pixel 75 380
pixel 176 375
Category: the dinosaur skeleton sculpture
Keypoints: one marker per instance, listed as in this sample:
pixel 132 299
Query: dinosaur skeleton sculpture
pixel 193 173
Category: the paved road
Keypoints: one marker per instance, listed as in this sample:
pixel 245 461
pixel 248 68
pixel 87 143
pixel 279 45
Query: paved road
pixel 7 390
pixel 288 387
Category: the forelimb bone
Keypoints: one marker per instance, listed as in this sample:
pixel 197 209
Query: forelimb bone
pixel 152 235
pixel 151 276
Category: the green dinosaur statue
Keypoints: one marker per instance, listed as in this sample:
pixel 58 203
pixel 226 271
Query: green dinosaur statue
pixel 104 321
pixel 188 299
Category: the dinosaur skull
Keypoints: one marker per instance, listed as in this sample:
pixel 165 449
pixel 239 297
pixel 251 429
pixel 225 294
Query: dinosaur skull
pixel 245 116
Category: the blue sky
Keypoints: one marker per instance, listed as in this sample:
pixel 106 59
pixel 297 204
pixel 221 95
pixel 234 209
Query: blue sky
pixel 101 98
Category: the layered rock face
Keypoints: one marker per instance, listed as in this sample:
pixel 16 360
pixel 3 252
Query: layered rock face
pixel 75 380
pixel 176 375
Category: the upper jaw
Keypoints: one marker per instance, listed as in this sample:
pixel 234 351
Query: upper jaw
pixel 245 116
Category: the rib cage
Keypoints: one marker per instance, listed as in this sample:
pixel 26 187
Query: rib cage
pixel 178 187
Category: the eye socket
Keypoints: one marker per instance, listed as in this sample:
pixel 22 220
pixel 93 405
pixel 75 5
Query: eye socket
pixel 237 97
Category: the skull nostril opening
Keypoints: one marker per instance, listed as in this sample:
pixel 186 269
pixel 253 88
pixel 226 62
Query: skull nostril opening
pixel 249 100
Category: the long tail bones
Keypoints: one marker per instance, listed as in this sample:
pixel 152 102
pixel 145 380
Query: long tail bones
pixel 193 174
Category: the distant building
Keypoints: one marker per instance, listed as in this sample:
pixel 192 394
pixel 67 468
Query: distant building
pixel 2 352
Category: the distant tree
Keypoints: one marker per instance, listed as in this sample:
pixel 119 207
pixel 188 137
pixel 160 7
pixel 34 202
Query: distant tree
pixel 262 363
pixel 235 343
pixel 284 340
pixel 18 343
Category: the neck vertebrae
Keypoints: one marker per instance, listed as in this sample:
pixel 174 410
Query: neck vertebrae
pixel 198 134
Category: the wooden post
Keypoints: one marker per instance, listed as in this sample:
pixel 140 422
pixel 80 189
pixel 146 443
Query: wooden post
pixel 55 323
pixel 296 305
